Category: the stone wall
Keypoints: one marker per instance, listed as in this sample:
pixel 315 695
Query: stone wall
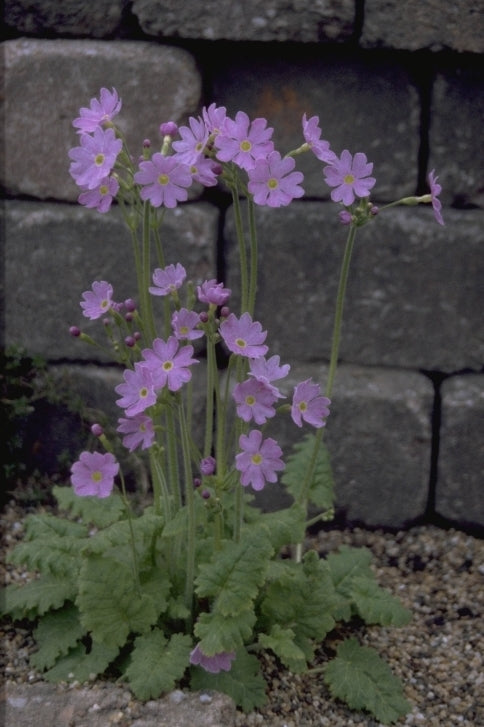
pixel 402 82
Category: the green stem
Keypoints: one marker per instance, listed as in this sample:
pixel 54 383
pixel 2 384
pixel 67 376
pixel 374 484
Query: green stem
pixel 131 533
pixel 172 458
pixel 253 258
pixel 209 405
pixel 146 308
pixel 190 503
pixel 244 287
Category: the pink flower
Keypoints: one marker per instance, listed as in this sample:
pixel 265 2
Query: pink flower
pixel 350 177
pixel 435 190
pixel 94 159
pixel 193 141
pixel 254 400
pixel 259 460
pixel 309 405
pixel 93 474
pixel 244 336
pixel 312 136
pixel 184 323
pixel 168 280
pixel 98 112
pixel 101 197
pixel 272 181
pixel 97 301
pixel 205 171
pixel 243 142
pixel 213 664
pixel 138 430
pixel 138 391
pixel 168 363
pixel 164 180
pixel 214 118
pixel 212 292
pixel 268 371
pixel 207 466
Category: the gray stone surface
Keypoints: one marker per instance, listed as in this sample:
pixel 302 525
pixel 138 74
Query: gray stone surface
pixel 378 435
pixel 460 480
pixel 47 81
pixel 70 17
pixel 434 24
pixel 98 706
pixel 414 296
pixel 364 104
pixel 299 20
pixel 54 252
pixel 456 140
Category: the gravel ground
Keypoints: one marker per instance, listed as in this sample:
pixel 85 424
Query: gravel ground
pixel 438 574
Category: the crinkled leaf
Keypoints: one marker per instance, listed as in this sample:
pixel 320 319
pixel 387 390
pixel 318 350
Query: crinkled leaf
pixel 56 554
pixel 45 525
pixel 37 597
pixel 282 642
pixel 282 527
pixel 110 603
pixel 359 677
pixel 376 605
pixel 234 575
pixel 56 633
pixel 92 510
pixel 321 488
pixel 345 566
pixel 218 633
pixel 80 666
pixel 157 664
pixel 244 682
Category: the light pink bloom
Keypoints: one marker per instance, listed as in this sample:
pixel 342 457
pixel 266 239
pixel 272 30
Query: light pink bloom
pixel 308 405
pixel 273 182
pixel 138 430
pixel 138 391
pixel 93 474
pixel 184 323
pixel 102 196
pixel 94 159
pixel 164 180
pixel 97 301
pixel 350 177
pixel 168 280
pixel 214 118
pixel 244 336
pixel 168 363
pixel 212 292
pixel 435 190
pixel 243 142
pixel 99 112
pixel 193 141
pixel 213 664
pixel 312 136
pixel 254 400
pixel 205 171
pixel 259 460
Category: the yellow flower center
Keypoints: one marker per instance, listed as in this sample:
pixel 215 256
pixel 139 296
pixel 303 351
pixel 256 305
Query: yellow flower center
pixel 240 342
pixel 103 189
pixel 272 183
pixel 184 330
pixel 256 458
pixel 163 179
pixel 168 365
pixel 349 179
pixel 250 400
pixel 99 159
pixel 245 145
pixel 143 392
pixel 96 476
pixel 303 406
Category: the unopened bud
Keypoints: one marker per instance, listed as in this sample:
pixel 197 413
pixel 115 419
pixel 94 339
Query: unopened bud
pixel 75 331
pixel 97 430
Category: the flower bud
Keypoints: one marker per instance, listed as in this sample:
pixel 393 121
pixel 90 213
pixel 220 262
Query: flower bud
pixel 130 305
pixel 169 128
pixel 205 494
pixel 130 341
pixel 207 466
pixel 75 331
pixel 97 430
pixel 224 311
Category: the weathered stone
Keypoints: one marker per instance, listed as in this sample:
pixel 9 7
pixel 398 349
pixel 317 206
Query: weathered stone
pixel 55 252
pixel 47 81
pixel 456 140
pixel 98 706
pixel 434 24
pixel 461 452
pixel 414 295
pixel 378 436
pixel 71 17
pixel 320 20
pixel 363 104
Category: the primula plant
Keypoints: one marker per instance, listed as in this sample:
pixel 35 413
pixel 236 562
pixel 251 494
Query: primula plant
pixel 189 589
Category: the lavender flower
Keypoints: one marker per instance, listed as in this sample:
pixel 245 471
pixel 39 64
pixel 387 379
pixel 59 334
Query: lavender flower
pixel 308 405
pixel 138 431
pixel 99 112
pixel 350 177
pixel 254 400
pixel 273 182
pixel 102 196
pixel 168 364
pixel 243 142
pixel 244 336
pixel 93 474
pixel 435 190
pixel 259 460
pixel 138 391
pixel 164 180
pixel 213 664
pixel 213 293
pixel 312 136
pixel 97 301
pixel 168 280
pixel 93 161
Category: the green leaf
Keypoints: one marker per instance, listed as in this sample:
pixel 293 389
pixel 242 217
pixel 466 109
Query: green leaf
pixel 244 682
pixel 37 597
pixel 92 510
pixel 80 666
pixel 363 680
pixel 376 605
pixel 281 642
pixel 345 566
pixel 321 489
pixel 57 632
pixel 157 664
pixel 218 633
pixel 282 527
pixel 234 575
pixel 110 602
pixel 38 527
